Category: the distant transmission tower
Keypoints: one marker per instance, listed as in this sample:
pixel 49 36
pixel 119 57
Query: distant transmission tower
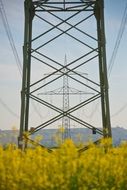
pixel 66 91
pixel 47 24
pixel 66 119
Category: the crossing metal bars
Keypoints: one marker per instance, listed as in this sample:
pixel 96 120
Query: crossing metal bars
pixel 59 19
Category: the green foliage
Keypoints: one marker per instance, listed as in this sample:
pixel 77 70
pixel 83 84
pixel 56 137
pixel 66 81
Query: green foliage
pixel 99 168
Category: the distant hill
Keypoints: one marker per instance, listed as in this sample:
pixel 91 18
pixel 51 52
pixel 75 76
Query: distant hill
pixel 8 136
pixel 50 137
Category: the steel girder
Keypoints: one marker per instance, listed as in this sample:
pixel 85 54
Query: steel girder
pixel 36 51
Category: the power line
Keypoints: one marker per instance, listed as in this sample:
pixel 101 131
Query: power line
pixel 120 110
pixel 117 44
pixel 118 40
pixel 8 109
pixel 10 38
pixel 36 110
pixel 13 47
pixel 9 35
pixel 112 59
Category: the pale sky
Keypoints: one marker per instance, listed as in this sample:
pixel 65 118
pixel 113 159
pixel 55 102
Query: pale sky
pixel 10 78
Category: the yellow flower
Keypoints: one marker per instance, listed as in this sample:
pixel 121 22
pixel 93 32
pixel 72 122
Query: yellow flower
pixel 64 169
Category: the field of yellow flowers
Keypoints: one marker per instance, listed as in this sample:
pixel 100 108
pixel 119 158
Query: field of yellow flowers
pixel 101 167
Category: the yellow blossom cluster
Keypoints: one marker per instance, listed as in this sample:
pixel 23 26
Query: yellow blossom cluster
pixel 101 167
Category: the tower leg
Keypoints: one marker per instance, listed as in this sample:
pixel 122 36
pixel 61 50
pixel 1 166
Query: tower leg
pixel 99 14
pixel 24 117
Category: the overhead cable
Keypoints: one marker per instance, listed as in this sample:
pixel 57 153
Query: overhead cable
pixel 13 47
pixel 8 108
pixel 9 35
pixel 113 57
pixel 120 110
pixel 118 40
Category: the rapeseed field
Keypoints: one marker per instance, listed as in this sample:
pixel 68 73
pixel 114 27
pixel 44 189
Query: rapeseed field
pixel 101 167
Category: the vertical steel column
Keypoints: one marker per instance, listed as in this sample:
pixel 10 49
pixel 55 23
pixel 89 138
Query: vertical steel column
pixel 29 13
pixel 99 14
pixel 94 48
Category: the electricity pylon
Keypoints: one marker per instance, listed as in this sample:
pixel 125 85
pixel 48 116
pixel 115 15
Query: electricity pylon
pixel 67 92
pixel 66 120
pixel 44 44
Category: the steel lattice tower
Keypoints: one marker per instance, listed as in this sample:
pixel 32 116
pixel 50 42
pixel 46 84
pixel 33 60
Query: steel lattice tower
pixel 66 91
pixel 64 18
pixel 65 120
